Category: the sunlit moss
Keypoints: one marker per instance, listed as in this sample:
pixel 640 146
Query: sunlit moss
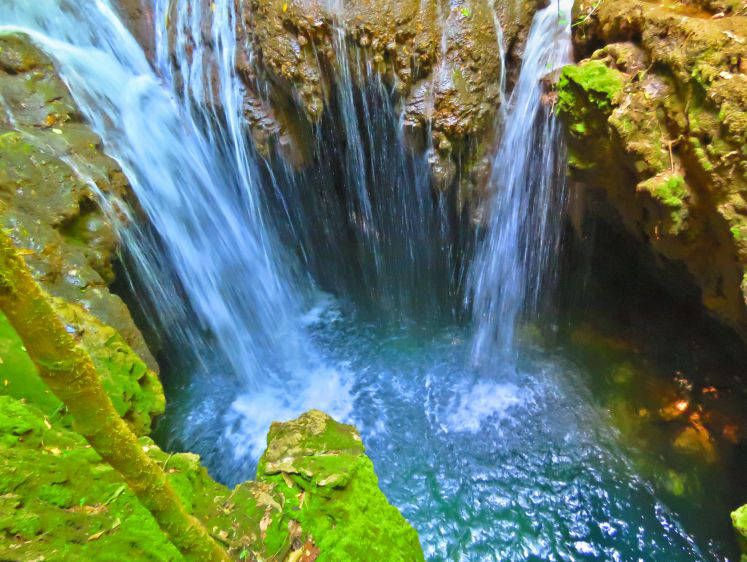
pixel 330 486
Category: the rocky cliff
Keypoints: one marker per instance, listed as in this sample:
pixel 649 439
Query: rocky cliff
pixel 657 118
pixel 441 61
pixel 656 115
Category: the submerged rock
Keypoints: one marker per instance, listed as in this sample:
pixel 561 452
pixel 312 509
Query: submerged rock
pixel 657 123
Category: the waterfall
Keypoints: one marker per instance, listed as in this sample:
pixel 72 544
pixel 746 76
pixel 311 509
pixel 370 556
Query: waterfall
pixel 180 139
pixel 370 227
pixel 512 263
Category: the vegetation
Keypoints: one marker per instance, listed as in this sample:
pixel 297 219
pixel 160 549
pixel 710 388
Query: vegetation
pixel 69 372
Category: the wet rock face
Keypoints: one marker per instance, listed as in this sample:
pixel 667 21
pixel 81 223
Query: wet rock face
pixel 657 122
pixel 138 14
pixel 53 177
pixel 441 60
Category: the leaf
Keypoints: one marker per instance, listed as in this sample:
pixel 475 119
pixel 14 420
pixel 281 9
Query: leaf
pixel 264 523
pixel 96 536
pixel 265 499
pixel 287 479
pixel 466 12
pixel 118 492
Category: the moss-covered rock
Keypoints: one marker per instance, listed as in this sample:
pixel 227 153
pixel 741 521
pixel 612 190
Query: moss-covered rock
pixel 330 487
pixel 657 121
pixel 54 176
pixel 739 520
pixel 60 501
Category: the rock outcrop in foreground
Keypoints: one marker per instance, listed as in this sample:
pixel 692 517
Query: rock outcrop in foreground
pixel 60 501
pixel 316 496
pixel 657 121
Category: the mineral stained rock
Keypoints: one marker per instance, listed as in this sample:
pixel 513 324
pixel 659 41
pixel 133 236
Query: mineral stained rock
pixel 657 128
pixel 441 61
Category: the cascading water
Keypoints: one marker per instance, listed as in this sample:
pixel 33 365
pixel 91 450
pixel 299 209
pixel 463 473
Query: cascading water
pixel 192 174
pixel 522 234
pixel 504 462
pixel 216 277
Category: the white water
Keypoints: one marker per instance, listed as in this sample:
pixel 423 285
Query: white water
pixel 522 235
pixel 193 174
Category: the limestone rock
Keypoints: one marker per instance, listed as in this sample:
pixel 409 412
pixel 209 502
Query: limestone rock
pixel 54 176
pixel 440 61
pixel 657 122
pixel 330 487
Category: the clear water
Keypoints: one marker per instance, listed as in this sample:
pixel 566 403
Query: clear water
pixel 521 462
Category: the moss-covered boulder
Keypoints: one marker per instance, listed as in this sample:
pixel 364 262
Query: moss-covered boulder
pixel 60 501
pixel 329 486
pixel 739 520
pixel 657 125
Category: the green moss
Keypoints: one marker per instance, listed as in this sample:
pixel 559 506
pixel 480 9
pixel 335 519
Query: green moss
pixel 330 487
pixel 58 500
pixel 579 128
pixel 739 520
pixel 134 389
pixel 589 82
pixel 672 192
pixel 18 376
pixel 56 496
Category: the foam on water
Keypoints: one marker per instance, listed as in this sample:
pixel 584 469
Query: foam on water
pixel 250 415
pixel 479 402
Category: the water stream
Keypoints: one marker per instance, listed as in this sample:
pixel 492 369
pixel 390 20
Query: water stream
pixel 494 446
